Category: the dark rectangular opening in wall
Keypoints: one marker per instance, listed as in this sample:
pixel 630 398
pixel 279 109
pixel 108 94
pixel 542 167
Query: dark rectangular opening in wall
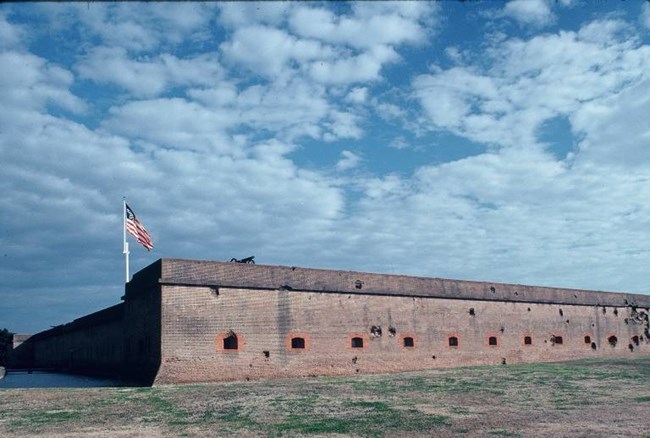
pixel 557 340
pixel 408 342
pixel 357 342
pixel 612 340
pixel 528 340
pixel 230 343
pixel 297 342
pixel 453 341
pixel 492 340
pixel 587 339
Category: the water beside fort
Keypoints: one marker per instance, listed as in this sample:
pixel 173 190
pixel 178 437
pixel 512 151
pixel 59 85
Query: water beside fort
pixel 42 379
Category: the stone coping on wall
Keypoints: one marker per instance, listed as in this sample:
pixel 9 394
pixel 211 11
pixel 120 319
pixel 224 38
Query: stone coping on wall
pixel 291 278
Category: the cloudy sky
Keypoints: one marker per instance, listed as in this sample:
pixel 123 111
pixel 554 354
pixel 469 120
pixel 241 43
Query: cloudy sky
pixel 495 141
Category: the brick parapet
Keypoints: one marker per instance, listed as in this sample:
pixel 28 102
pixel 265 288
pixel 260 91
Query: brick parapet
pixel 248 276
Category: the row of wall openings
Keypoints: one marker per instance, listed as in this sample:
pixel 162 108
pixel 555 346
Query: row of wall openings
pixel 230 342
pixel 493 341
pixel 555 339
pixel 357 342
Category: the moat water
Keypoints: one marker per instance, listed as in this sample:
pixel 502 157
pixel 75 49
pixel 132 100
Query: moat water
pixel 41 379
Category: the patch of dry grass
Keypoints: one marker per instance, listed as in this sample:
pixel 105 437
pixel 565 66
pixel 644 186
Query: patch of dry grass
pixel 596 397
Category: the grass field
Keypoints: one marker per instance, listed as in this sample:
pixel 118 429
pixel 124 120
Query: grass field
pixel 587 398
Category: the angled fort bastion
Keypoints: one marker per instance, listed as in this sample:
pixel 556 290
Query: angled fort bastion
pixel 200 321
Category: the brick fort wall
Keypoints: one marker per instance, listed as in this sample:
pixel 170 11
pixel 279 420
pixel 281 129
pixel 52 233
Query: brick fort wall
pixel 392 333
pixel 198 321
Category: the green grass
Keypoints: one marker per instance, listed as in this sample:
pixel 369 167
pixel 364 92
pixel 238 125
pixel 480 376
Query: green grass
pixel 502 432
pixel 453 401
pixel 459 410
pixel 375 419
pixel 47 417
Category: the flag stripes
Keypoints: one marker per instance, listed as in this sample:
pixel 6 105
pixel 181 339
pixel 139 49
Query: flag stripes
pixel 135 228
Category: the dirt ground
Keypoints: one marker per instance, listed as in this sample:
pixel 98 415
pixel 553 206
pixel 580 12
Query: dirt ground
pixel 587 398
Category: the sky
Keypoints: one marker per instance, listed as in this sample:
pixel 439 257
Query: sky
pixel 490 141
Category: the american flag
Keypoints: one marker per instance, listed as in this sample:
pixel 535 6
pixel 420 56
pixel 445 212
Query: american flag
pixel 135 228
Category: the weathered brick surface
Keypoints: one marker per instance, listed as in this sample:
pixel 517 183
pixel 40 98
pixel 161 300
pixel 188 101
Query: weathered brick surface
pixel 195 320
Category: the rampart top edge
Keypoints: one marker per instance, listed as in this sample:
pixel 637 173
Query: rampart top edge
pixel 248 276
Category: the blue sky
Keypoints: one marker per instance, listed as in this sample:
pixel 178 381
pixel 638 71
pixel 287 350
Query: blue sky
pixel 495 141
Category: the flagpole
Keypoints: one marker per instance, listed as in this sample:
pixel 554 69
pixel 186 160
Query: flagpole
pixel 126 244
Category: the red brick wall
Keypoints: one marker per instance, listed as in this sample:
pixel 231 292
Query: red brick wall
pixel 195 320
pixel 177 313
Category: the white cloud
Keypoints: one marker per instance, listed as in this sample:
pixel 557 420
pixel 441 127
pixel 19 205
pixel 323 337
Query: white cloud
pixel 368 28
pixel 530 81
pixel 361 68
pixel 448 95
pixel 389 111
pixel 399 143
pixel 454 54
pixel 30 82
pixel 139 26
pixel 174 123
pixel 604 32
pixel 357 95
pixel 332 49
pixel 249 13
pixel 349 160
pixel 148 76
pixel 224 93
pixel 268 51
pixel 117 25
pixel 288 110
pixel 530 12
pixel 11 36
pixel 180 20
pixel 521 213
pixel 614 130
pixel 342 125
pixel 412 10
pixel 291 110
pixel 645 14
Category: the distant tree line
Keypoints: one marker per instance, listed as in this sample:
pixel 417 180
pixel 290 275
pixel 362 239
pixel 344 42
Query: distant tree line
pixel 5 346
